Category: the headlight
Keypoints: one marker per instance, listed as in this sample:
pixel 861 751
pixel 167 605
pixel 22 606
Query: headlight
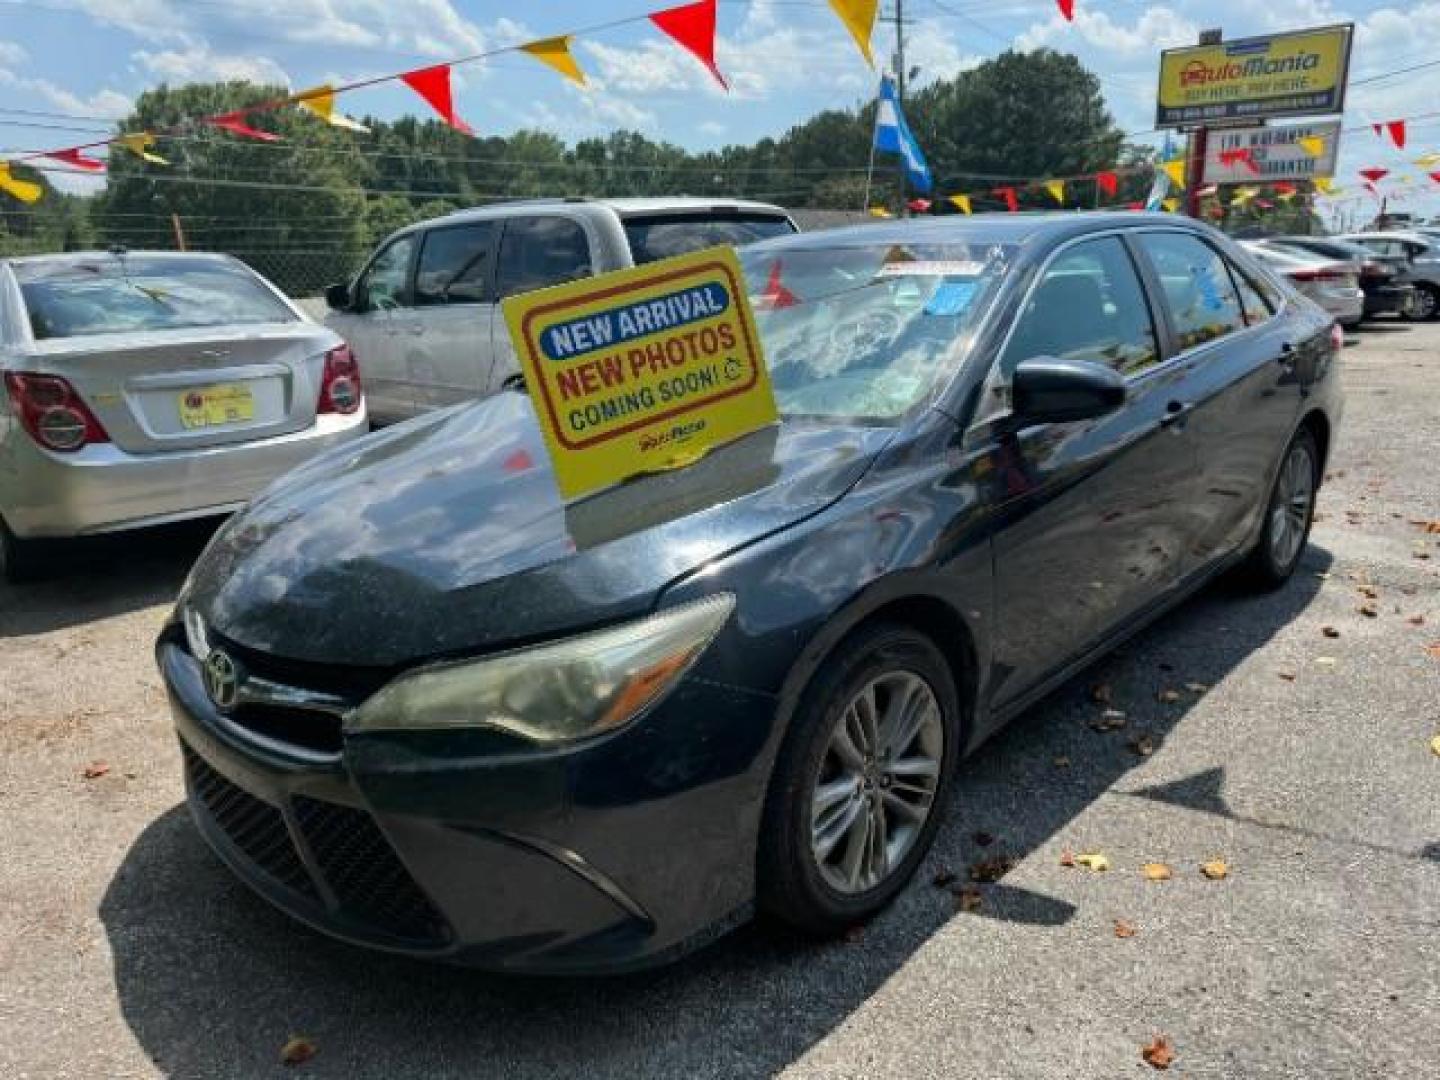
pixel 554 693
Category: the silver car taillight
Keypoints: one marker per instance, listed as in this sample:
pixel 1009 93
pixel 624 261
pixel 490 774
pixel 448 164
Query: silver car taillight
pixel 52 413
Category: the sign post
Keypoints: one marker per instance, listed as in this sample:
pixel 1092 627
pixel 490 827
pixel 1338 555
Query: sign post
pixel 641 370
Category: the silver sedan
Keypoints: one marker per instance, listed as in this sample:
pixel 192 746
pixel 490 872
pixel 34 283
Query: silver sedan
pixel 1333 284
pixel 140 388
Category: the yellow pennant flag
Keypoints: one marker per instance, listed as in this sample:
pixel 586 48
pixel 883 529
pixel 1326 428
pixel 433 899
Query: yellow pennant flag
pixel 139 144
pixel 1313 145
pixel 1175 170
pixel 1429 159
pixel 1324 185
pixel 24 190
pixel 1056 188
pixel 962 203
pixel 321 102
pixel 1245 194
pixel 1170 205
pixel 859 18
pixel 879 211
pixel 555 52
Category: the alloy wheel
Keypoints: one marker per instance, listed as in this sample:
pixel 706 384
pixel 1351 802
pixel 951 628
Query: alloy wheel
pixel 877 781
pixel 1426 302
pixel 1290 509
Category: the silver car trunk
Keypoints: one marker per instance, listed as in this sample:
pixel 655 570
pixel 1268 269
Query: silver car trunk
pixel 169 389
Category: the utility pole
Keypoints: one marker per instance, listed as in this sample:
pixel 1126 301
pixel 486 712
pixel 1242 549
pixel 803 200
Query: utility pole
pixel 1198 145
pixel 898 18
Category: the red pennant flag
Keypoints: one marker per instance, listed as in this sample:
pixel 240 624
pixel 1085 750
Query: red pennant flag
pixel 1284 187
pixel 1067 8
pixel 1435 176
pixel 1374 175
pixel 776 295
pixel 1108 182
pixel 920 206
pixel 1372 189
pixel 692 26
pixel 1008 194
pixel 433 84
pixel 235 124
pixel 1140 205
pixel 1397 132
pixel 1242 156
pixel 77 158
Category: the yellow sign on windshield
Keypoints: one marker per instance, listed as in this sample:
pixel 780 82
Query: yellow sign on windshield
pixel 643 369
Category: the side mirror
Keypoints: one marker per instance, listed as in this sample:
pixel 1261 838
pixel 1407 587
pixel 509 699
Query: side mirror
pixel 1047 390
pixel 338 297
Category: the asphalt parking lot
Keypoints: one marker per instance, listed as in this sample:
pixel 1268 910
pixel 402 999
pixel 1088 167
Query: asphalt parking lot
pixel 1288 735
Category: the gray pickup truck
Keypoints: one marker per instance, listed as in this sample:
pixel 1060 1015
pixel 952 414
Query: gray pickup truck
pixel 424 316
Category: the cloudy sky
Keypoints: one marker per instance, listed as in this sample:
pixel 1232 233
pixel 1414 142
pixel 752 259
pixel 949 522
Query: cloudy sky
pixel 67 67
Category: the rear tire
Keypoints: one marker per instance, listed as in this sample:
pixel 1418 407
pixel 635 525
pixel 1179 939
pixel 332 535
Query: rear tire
pixel 1425 305
pixel 19 559
pixel 861 781
pixel 1289 513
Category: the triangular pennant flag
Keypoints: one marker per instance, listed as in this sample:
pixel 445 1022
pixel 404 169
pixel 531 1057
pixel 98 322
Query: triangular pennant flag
pixel 77 158
pixel 1324 185
pixel 962 203
pixel 555 52
pixel 1175 170
pixel 139 144
pixel 25 190
pixel 433 84
pixel 1284 187
pixel 1067 8
pixel 321 102
pixel 859 18
pixel 1397 132
pixel 879 211
pixel 776 295
pixel 1374 174
pixel 1108 182
pixel 1244 194
pixel 919 206
pixel 1429 159
pixel 1056 188
pixel 235 124
pixel 1170 205
pixel 692 26
pixel 1313 145
pixel 1008 194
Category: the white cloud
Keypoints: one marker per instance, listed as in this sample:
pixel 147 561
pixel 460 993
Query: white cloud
pixel 12 55
pixel 1158 28
pixel 199 64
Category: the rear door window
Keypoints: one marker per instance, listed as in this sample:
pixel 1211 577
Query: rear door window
pixel 1088 305
pixel 386 281
pixel 455 264
pixel 1201 297
pixel 661 236
pixel 1257 308
pixel 537 252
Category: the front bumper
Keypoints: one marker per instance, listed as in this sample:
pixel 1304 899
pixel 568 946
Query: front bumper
pixel 617 854
pixel 101 488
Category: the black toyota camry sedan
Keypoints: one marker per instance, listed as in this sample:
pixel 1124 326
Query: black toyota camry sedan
pixel 427 706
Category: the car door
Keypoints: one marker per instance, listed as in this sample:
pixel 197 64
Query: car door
pixel 1091 514
pixel 446 335
pixel 370 327
pixel 1240 389
pixel 536 251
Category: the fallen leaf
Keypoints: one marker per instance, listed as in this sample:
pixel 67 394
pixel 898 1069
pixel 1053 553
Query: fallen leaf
pixel 1325 661
pixel 1092 860
pixel 297 1050
pixel 1422 554
pixel 942 878
pixel 1168 697
pixel 1288 676
pixel 1215 869
pixel 1196 687
pixel 1159 1054
pixel 1369 592
pixel 1101 693
pixel 1368 610
pixel 1156 871
pixel 1435 746
pixel 1429 526
pixel 982 838
pixel 1434 650
pixel 1143 745
pixel 1330 631
pixel 969 899
pixel 95 770
pixel 1067 857
pixel 1416 620
pixel 992 869
pixel 1124 929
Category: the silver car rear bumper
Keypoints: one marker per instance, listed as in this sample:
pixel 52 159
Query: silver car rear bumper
pixel 103 489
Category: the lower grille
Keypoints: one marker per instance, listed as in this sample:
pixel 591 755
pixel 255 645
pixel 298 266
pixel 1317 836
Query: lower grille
pixel 366 875
pixel 255 827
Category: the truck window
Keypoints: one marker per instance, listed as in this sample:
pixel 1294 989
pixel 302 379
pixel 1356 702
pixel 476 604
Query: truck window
pixel 660 236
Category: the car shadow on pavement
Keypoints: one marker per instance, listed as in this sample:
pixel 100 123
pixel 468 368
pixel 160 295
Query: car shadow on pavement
pixel 212 981
pixel 97 577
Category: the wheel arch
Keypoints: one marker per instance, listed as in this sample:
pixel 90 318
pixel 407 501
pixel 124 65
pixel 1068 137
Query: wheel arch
pixel 1318 425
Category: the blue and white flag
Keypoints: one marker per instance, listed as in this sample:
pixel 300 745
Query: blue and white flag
pixel 893 136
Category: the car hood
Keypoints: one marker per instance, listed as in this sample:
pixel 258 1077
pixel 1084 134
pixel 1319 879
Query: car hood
pixel 447 535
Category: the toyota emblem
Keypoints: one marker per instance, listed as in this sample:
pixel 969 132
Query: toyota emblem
pixel 222 679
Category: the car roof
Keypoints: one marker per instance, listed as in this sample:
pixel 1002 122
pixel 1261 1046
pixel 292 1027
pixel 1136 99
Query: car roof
pixel 623 206
pixel 1389 234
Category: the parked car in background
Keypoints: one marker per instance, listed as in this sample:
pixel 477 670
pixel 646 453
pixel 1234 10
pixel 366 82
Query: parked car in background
pixel 1333 284
pixel 1422 264
pixel 1381 276
pixel 424 314
pixel 146 387
pixel 427 706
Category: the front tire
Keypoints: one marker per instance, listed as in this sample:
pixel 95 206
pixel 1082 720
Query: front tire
pixel 1289 513
pixel 860 782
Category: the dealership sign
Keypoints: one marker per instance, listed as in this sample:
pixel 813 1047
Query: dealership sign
pixel 1259 155
pixel 643 369
pixel 1295 74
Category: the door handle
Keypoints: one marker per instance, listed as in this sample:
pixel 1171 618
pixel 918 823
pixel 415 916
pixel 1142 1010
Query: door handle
pixel 1175 411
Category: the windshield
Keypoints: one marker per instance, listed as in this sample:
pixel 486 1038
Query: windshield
pixel 121 294
pixel 864 333
pixel 662 236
